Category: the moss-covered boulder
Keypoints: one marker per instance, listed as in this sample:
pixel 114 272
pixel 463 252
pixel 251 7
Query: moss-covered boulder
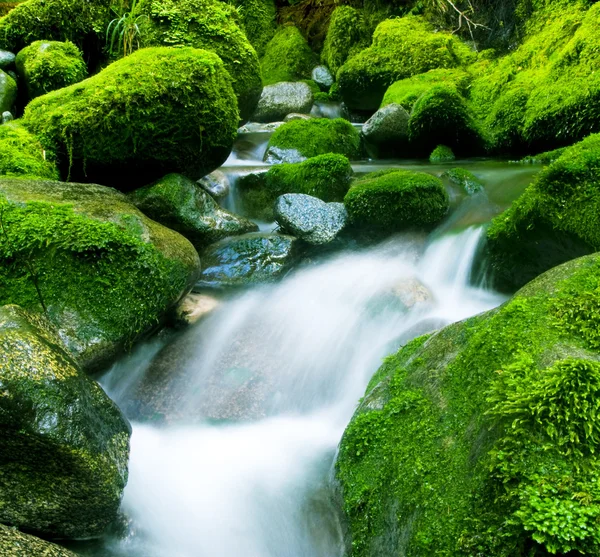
pixel 258 19
pixel 44 66
pixel 327 177
pixel 401 48
pixel 556 219
pixel 467 181
pixel 442 153
pixel 8 92
pixel 395 200
pixel 65 444
pixel 14 543
pixel 84 255
pixel 442 116
pixel 156 111
pixel 482 439
pixel 182 205
pixel 287 57
pixel 21 154
pixel 303 139
pixel 207 25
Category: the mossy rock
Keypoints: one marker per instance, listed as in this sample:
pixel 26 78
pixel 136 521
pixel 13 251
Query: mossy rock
pixel 548 157
pixel 556 218
pixel 326 177
pixel 45 66
pixel 396 200
pixel 65 444
pixel 17 544
pixel 442 153
pixel 258 19
pixel 156 111
pixel 207 25
pixel 318 136
pixel 482 439
pixel 104 272
pixel 442 116
pixel 6 6
pixel 8 92
pixel 406 92
pixel 21 154
pixel 182 205
pixel 346 36
pixel 401 48
pixel 287 57
pixel 469 183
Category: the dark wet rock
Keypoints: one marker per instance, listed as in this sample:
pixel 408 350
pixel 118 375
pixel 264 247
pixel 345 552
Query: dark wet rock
pixel 7 60
pixel 281 99
pixel 386 132
pixel 309 218
pixel 216 184
pixel 322 77
pixel 277 155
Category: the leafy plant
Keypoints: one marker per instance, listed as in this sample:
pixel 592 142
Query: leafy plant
pixel 124 31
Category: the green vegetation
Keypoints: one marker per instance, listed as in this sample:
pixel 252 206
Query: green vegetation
pixel 157 111
pixel 123 32
pixel 8 92
pixel 401 48
pixel 346 37
pixel 287 57
pixel 258 18
pixel 555 220
pixel 103 271
pixel 482 439
pixel 396 200
pixel 441 153
pixel 21 154
pixel 16 544
pixel 45 66
pixel 318 136
pixel 465 179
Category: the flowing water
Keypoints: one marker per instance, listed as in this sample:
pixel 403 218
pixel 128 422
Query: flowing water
pixel 250 404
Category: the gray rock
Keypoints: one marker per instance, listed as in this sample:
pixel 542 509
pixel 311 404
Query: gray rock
pixel 281 99
pixel 322 77
pixel 309 218
pixel 7 117
pixel 216 184
pixel 277 155
pixel 387 130
pixel 8 92
pixel 257 127
pixel 296 116
pixel 7 60
pixel 248 259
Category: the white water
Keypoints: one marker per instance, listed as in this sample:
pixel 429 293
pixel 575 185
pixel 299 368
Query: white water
pixel 259 488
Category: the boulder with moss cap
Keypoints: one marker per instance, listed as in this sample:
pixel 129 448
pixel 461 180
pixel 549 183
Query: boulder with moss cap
pixel 14 543
pixel 65 444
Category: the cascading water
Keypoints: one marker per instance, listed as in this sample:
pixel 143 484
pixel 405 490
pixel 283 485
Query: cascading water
pixel 293 358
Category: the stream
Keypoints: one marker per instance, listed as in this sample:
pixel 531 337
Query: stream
pixel 236 421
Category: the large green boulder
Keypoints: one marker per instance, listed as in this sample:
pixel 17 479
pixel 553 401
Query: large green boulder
pixel 556 219
pixel 44 66
pixel 258 19
pixel 8 92
pixel 101 271
pixel 208 25
pixel 395 200
pixel 65 444
pixel 21 154
pixel 287 57
pixel 156 111
pixel 401 48
pixel 483 438
pixel 17 544
pixel 302 139
pixel 182 205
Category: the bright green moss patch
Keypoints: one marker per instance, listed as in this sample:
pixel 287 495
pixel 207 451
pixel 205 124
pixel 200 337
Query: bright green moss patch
pixel 8 92
pixel 482 439
pixel 556 218
pixel 441 153
pixel 287 57
pixel 156 111
pixel 465 179
pixel 258 19
pixel 346 36
pixel 401 48
pixel 317 136
pixel 395 200
pixel 543 158
pixel 45 66
pixel 21 154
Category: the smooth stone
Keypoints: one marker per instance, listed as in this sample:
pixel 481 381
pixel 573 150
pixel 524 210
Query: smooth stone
pixel 258 127
pixel 387 129
pixel 276 155
pixel 7 117
pixel 193 308
pixel 322 77
pixel 310 218
pixel 7 60
pixel 216 184
pixel 296 116
pixel 281 99
pixel 249 259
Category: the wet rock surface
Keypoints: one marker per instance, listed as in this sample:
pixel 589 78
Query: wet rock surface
pixel 281 99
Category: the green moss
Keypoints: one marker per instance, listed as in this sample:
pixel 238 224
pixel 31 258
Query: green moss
pixel 21 154
pixel 401 48
pixel 8 92
pixel 45 66
pixel 258 19
pixel 465 179
pixel 212 26
pixel 442 116
pixel 406 92
pixel 318 136
pixel 556 218
pixel 17 544
pixel 441 153
pixel 105 272
pixel 543 158
pixel 346 36
pixel 325 176
pixel 482 439
pixel 396 200
pixel 156 111
pixel 287 57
